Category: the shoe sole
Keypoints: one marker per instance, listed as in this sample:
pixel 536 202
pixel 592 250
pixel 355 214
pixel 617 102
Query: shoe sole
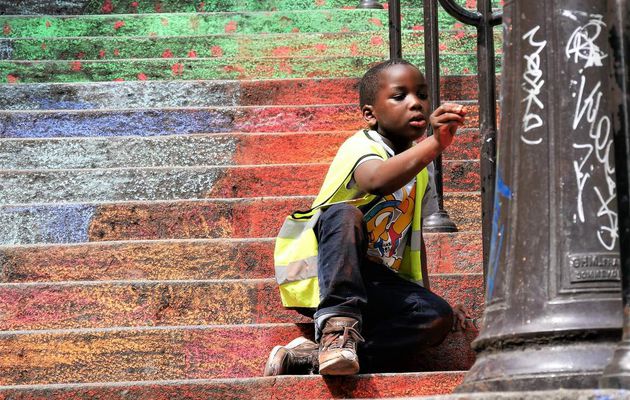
pixel 339 367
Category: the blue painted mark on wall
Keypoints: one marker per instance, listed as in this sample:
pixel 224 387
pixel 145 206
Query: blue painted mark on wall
pixel 115 123
pixel 502 191
pixel 67 223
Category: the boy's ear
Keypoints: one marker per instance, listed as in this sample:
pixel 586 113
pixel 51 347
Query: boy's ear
pixel 368 115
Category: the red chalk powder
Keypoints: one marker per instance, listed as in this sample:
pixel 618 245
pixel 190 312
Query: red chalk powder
pixel 178 69
pixel 217 51
pixel 231 26
pixel 376 40
pixel 108 7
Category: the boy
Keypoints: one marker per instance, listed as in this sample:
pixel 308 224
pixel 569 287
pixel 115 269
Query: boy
pixel 365 276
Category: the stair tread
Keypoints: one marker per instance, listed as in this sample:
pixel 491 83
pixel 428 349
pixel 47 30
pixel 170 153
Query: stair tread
pixel 215 68
pixel 189 182
pixel 202 93
pixel 188 352
pixel 190 120
pixel 237 148
pixel 280 387
pixel 193 23
pixel 170 6
pixel 108 304
pixel 181 259
pixel 233 45
pixel 183 219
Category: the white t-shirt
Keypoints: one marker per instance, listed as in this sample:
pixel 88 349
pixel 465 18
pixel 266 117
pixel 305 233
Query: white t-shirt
pixel 388 221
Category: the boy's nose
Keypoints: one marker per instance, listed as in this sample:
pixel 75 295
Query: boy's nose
pixel 416 102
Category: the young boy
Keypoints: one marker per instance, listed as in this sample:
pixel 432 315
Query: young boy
pixel 365 275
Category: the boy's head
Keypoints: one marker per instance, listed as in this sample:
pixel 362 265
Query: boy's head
pixel 394 100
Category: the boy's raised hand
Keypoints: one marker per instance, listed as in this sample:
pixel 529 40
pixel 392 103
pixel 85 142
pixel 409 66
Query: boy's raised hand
pixel 445 120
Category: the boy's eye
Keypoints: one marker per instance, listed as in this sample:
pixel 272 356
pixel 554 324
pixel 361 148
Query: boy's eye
pixel 398 96
pixel 423 96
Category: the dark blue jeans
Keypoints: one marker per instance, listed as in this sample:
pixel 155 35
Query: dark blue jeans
pixel 394 313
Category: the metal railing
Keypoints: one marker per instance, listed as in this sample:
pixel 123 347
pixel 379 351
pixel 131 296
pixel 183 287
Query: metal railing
pixel 484 19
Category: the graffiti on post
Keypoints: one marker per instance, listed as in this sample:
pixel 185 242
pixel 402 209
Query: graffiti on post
pixel 594 151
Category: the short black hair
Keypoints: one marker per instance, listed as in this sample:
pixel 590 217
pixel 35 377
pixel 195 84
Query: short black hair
pixel 368 86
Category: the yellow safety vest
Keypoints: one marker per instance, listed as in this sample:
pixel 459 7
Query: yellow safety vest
pixel 295 254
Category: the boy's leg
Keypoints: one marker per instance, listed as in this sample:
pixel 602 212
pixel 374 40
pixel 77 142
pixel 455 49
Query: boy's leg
pixel 402 315
pixel 342 241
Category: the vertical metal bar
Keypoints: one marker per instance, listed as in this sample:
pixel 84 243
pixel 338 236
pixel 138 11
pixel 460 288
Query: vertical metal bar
pixel 487 121
pixel 395 46
pixel 432 75
pixel 438 222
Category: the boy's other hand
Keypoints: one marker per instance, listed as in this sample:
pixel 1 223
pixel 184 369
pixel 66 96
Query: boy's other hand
pixel 445 120
pixel 462 320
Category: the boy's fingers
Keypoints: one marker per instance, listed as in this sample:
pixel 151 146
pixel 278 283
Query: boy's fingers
pixel 450 108
pixel 448 117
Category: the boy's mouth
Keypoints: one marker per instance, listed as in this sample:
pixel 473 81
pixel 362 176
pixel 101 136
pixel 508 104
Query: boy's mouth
pixel 418 121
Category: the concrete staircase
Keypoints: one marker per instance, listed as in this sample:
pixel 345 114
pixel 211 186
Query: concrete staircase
pixel 149 152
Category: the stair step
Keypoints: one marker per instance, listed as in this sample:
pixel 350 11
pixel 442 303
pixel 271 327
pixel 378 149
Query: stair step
pixel 215 68
pixel 73 305
pixel 120 95
pixel 192 150
pixel 174 183
pixel 170 353
pixel 280 388
pixel 340 44
pixel 195 259
pixel 181 121
pixel 177 6
pixel 142 94
pixel 190 24
pixel 183 219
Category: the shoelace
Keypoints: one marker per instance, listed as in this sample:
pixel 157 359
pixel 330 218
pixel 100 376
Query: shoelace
pixel 348 334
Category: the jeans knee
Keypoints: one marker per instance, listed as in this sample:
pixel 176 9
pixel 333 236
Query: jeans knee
pixel 443 321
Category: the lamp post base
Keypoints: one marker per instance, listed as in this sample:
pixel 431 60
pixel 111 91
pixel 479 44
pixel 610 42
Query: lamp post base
pixel 370 4
pixel 533 367
pixel 438 222
pixel 617 373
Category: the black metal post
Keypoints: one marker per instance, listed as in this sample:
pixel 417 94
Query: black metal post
pixel 370 4
pixel 487 122
pixel 395 40
pixel 484 20
pixel 617 373
pixel 553 306
pixel 440 221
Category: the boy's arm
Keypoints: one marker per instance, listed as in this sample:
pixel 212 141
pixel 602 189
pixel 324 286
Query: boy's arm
pixel 385 177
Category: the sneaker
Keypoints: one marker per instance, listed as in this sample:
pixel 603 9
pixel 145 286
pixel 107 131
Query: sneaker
pixel 338 347
pixel 296 358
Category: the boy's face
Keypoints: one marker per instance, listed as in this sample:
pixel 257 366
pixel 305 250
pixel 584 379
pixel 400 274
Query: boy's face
pixel 401 105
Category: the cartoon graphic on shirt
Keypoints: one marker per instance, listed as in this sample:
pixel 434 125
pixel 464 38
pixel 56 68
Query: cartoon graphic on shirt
pixel 387 223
